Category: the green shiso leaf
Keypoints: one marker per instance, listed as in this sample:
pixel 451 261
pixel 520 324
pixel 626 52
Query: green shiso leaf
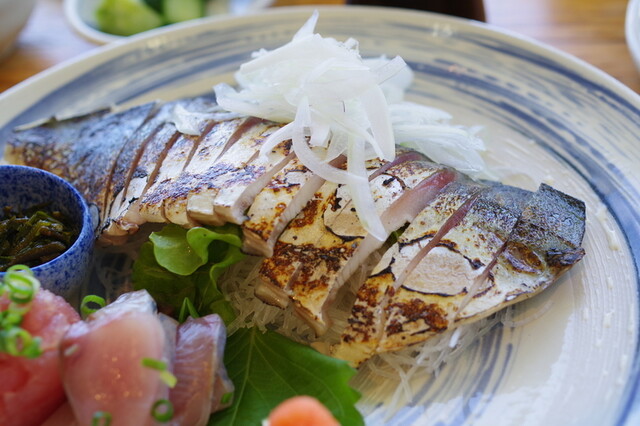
pixel 267 368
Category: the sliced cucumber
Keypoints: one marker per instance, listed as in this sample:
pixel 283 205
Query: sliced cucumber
pixel 182 10
pixel 155 4
pixel 127 17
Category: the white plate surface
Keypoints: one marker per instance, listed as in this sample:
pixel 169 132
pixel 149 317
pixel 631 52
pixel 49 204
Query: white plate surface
pixel 546 117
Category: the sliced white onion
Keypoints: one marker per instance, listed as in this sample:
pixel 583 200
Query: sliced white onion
pixel 336 103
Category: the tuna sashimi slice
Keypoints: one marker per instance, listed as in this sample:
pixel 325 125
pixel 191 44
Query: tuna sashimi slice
pixel 31 389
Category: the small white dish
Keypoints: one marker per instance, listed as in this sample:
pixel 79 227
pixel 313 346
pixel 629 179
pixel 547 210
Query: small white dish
pixel 632 30
pixel 82 17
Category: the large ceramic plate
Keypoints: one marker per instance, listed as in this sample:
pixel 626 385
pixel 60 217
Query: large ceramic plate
pixel 632 30
pixel 546 117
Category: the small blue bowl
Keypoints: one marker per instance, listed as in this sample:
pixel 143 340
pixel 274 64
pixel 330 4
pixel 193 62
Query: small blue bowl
pixel 23 187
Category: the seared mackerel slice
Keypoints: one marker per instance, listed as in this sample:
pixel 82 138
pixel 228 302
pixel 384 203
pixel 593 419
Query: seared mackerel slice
pixel 276 205
pixel 220 138
pixel 136 168
pixel 284 197
pixel 544 244
pixel 399 195
pixel 176 158
pixel 360 339
pixel 301 234
pixel 87 160
pixel 232 168
pixel 453 271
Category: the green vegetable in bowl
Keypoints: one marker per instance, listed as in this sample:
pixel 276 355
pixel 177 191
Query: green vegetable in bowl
pixel 33 236
pixel 128 17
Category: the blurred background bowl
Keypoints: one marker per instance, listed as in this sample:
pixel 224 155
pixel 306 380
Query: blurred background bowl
pixel 81 15
pixel 23 187
pixel 14 14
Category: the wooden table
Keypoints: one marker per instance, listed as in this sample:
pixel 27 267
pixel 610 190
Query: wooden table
pixel 592 30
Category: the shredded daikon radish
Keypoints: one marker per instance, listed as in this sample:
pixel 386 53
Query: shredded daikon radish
pixel 334 99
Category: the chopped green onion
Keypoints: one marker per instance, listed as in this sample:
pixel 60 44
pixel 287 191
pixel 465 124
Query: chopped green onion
pixel 21 284
pixel 156 364
pixel 226 398
pixel 101 418
pixel 187 310
pixel 17 341
pixel 162 410
pixel 21 287
pixel 165 375
pixel 86 309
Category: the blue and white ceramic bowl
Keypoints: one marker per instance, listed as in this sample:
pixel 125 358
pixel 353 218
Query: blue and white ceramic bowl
pixel 23 187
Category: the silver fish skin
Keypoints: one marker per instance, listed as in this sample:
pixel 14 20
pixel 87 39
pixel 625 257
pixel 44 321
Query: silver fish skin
pixel 452 272
pixel 174 162
pixel 544 244
pixel 215 143
pixel 360 338
pixel 81 150
pixel 135 168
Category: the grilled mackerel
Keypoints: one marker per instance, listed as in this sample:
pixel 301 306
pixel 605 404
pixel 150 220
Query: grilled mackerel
pixel 462 249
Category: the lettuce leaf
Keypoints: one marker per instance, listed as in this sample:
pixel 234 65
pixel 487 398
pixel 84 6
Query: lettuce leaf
pixel 267 368
pixel 177 265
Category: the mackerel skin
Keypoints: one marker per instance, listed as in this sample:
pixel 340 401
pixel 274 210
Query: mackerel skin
pixel 134 166
pixel 46 145
pixel 172 165
pixel 365 324
pixel 545 243
pixel 81 150
pixel 453 272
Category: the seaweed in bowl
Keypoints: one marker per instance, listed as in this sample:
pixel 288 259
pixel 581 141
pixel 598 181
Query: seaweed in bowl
pixel 34 236
pixel 49 228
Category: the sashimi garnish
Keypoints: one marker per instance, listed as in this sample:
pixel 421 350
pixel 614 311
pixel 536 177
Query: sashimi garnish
pixel 332 98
